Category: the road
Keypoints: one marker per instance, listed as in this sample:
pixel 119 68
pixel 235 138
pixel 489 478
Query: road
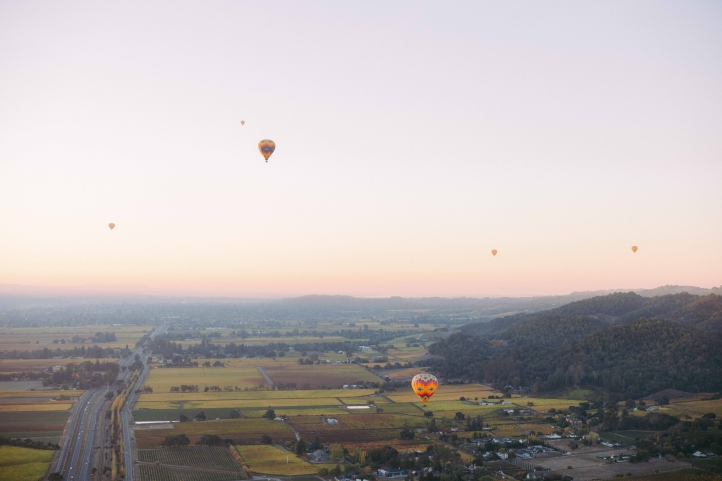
pixel 268 379
pixel 76 455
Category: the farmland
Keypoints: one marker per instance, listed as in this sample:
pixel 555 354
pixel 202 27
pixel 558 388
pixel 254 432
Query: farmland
pixel 23 463
pixel 320 376
pixel 240 430
pixel 32 424
pixel 216 458
pixel 149 472
pixel 274 461
pixel 29 338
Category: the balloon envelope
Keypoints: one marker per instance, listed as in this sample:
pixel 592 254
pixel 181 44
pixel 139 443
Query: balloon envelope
pixel 634 249
pixel 243 122
pixel 111 225
pixel 493 252
pixel 425 386
pixel 266 147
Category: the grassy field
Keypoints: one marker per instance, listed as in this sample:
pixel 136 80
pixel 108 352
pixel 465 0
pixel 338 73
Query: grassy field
pixel 35 406
pixel 42 393
pixel 23 463
pixel 271 460
pixel 617 437
pixel 445 393
pixel 8 366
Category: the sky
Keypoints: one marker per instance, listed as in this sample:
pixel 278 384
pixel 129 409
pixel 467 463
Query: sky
pixel 412 138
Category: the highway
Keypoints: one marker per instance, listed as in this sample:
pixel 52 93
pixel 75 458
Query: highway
pixel 76 455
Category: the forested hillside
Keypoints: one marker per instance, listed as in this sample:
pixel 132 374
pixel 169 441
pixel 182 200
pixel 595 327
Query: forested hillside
pixel 632 359
pixel 622 342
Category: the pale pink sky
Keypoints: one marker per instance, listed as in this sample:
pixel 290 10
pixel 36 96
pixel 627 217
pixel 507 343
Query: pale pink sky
pixel 412 138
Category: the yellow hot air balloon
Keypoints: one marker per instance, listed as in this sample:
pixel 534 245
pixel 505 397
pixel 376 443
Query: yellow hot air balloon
pixel 243 122
pixel 425 386
pixel 634 249
pixel 111 225
pixel 266 148
pixel 493 252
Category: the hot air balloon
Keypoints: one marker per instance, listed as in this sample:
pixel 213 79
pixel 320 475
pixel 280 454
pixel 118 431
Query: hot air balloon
pixel 243 122
pixel 634 249
pixel 266 147
pixel 111 225
pixel 424 385
pixel 493 252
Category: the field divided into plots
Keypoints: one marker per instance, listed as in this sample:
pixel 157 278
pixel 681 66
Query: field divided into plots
pixel 215 457
pixel 36 338
pixel 33 424
pixel 150 472
pixel 242 431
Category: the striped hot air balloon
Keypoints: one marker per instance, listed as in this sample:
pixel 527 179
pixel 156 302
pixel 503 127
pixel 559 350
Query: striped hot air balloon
pixel 266 147
pixel 425 386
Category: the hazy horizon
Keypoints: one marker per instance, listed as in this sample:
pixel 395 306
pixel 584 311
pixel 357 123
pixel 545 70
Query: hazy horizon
pixel 412 139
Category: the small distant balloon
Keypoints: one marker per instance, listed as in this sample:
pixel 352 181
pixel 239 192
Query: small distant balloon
pixel 111 225
pixel 243 122
pixel 266 147
pixel 493 252
pixel 634 249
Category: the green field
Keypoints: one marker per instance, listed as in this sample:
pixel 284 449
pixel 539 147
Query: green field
pixel 617 437
pixel 23 463
pixel 270 460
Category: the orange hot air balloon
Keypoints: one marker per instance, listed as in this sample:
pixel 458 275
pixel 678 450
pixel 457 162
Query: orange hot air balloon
pixel 111 225
pixel 493 252
pixel 425 386
pixel 634 249
pixel 266 148
pixel 243 122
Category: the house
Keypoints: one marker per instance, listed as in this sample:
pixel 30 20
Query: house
pixel 318 456
pixel 699 454
pixel 553 436
pixel 503 455
pixel 331 421
pixel 503 440
pixel 393 473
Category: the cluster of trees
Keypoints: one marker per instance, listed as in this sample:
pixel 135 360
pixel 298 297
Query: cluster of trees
pixel 185 388
pixel 94 351
pixel 104 337
pixel 28 443
pixel 179 440
pixel 684 438
pixel 84 375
